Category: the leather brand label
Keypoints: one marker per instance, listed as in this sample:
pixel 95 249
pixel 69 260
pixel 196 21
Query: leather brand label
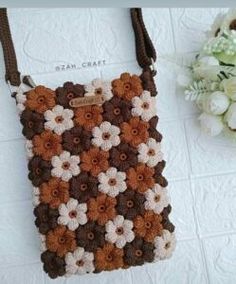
pixel 87 101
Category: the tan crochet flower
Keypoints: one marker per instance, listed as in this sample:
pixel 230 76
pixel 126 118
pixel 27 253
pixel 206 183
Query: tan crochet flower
pixel 47 145
pixel 40 99
pixel 127 87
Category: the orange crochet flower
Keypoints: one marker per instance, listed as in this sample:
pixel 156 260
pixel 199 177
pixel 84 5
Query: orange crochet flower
pixel 135 131
pixel 101 209
pixel 127 86
pixel 47 145
pixel 88 116
pixel 148 226
pixel 109 258
pixel 61 240
pixel 54 192
pixel 40 99
pixel 94 161
pixel 141 178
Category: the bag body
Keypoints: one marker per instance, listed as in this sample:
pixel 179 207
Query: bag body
pixel 95 163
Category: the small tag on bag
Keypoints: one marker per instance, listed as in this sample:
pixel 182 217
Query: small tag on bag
pixel 87 101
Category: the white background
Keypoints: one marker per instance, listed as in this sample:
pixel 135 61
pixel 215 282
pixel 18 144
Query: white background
pixel 201 171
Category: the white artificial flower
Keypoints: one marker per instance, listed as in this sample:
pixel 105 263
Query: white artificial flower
pixel 156 199
pixel 79 262
pixel 230 117
pixel 36 194
pixel 229 17
pixel 216 103
pixel 72 214
pixel 29 149
pixel 208 61
pixel 112 182
pixel 164 245
pixel 150 153
pixel 216 26
pixel 229 86
pixel 65 166
pixel 106 136
pixel 211 124
pixel 119 231
pixel 99 87
pixel 144 106
pixel 58 119
pixel 184 80
pixel 206 67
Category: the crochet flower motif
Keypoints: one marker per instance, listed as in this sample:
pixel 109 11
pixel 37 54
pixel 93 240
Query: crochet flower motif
pixel 127 87
pixel 144 106
pixel 109 258
pixel 29 149
pixel 83 187
pixel 141 178
pixel 94 161
pixel 47 145
pixel 119 231
pixel 153 133
pixel 167 225
pixel 61 240
pixel 32 123
pixel 40 99
pixel 54 192
pixel 58 119
pixel 88 116
pixel 53 264
pixel 90 236
pixel 164 245
pixel 19 92
pixel 150 153
pixel 130 204
pixel 156 199
pixel 99 87
pixel 76 140
pixel 112 182
pixel 135 131
pixel 123 157
pixel 39 171
pixel 101 209
pixel 117 110
pixel 65 166
pixel 72 214
pixel 148 226
pixel 106 136
pixel 148 82
pixel 79 262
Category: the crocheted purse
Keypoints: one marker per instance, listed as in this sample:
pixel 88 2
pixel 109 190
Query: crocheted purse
pixel 96 165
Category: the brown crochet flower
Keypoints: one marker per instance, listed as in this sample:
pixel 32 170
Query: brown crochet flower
pixel 117 110
pixel 130 204
pixel 40 99
pixel 61 240
pixel 88 116
pixel 54 192
pixel 127 87
pixel 90 236
pixel 33 123
pixel 39 170
pixel 138 252
pixel 101 209
pixel 47 145
pixel 153 133
pixel 123 157
pixel 109 258
pixel 83 187
pixel 159 168
pixel 135 131
pixel 148 82
pixel 161 180
pixel 76 140
pixel 68 92
pixel 141 178
pixel 94 161
pixel 167 225
pixel 46 218
pixel 53 264
pixel 148 226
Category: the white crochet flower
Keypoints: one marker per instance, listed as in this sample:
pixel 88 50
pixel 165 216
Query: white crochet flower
pixel 20 96
pixel 29 149
pixel 36 194
pixel 150 153
pixel 43 246
pixel 99 87
pixel 156 199
pixel 164 245
pixel 144 106
pixel 65 166
pixel 58 119
pixel 119 231
pixel 72 214
pixel 112 182
pixel 106 136
pixel 79 262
